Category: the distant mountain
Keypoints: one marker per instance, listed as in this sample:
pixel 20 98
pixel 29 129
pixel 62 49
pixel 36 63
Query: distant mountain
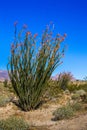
pixel 3 75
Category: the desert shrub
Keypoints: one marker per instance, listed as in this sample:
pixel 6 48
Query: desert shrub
pixel 4 100
pixel 13 123
pixel 67 111
pixel 72 87
pixel 76 106
pixel 64 79
pixel 64 112
pixel 75 96
pixel 5 83
pixel 52 89
pixel 82 94
pixel 79 94
pixel 67 92
pixel 30 68
pixel 75 86
pixel 83 86
pixel 8 86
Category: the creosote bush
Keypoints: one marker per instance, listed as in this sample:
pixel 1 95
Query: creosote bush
pixel 30 68
pixel 4 100
pixel 67 111
pixel 64 112
pixel 76 106
pixel 13 123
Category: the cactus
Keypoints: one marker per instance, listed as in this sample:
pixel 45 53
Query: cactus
pixel 29 68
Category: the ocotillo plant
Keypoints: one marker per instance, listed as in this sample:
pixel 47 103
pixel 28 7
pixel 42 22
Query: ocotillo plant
pixel 30 68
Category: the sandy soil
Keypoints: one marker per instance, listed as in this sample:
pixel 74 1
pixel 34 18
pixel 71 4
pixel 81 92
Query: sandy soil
pixel 41 118
pixel 77 123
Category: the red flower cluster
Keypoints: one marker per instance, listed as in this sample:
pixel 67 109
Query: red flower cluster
pixel 35 35
pixel 28 33
pixel 65 34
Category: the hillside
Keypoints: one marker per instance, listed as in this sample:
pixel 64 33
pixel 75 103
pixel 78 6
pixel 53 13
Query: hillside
pixel 3 75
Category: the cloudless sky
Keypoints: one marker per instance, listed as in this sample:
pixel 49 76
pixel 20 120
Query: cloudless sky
pixel 69 16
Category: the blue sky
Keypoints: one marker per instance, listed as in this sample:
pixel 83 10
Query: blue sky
pixel 69 16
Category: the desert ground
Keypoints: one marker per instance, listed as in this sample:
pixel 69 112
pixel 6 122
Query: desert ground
pixel 41 119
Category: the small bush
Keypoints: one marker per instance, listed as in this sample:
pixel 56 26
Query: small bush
pixel 5 83
pixel 13 123
pixel 75 86
pixel 63 113
pixel 76 106
pixel 75 97
pixel 82 94
pixel 4 100
pixel 64 79
pixel 52 89
pixel 67 92
pixel 72 87
pixel 83 86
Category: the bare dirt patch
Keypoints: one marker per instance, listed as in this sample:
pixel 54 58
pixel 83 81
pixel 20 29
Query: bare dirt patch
pixel 40 119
